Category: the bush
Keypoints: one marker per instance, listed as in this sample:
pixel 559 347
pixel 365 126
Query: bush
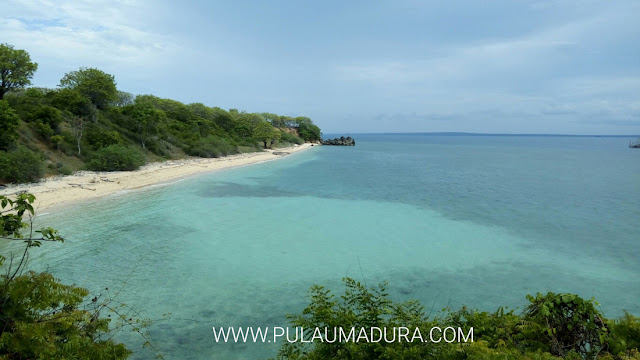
pixel 67 143
pixel 552 327
pixel 100 139
pixel 65 171
pixel 21 166
pixel 45 114
pixel 564 324
pixel 116 158
pixel 624 335
pixel 9 124
pixel 290 138
pixel 43 129
pixel 56 140
pixel 211 147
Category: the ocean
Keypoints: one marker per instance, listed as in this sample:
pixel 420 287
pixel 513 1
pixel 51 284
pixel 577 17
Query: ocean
pixel 447 220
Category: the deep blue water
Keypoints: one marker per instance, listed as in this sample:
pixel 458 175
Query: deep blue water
pixel 447 220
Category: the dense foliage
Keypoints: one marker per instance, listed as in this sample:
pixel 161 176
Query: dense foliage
pixel 553 326
pixel 16 69
pixel 9 124
pixel 87 123
pixel 20 165
pixel 40 318
pixel 116 157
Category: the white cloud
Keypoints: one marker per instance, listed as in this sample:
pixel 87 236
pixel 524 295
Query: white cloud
pixel 64 35
pixel 551 78
pixel 468 62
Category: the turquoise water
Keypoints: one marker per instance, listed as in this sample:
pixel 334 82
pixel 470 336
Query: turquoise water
pixel 447 220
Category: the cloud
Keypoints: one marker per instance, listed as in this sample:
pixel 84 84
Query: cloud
pixel 480 60
pixel 575 72
pixel 421 66
pixel 64 35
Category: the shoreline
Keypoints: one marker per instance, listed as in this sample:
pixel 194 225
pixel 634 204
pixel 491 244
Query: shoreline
pixel 84 185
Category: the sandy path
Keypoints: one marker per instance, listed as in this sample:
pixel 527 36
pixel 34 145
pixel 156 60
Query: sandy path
pixel 82 185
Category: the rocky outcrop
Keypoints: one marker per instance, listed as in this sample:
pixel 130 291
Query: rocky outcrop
pixel 635 145
pixel 341 141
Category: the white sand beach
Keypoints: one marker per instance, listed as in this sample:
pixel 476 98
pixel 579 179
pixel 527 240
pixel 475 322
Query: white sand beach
pixel 82 185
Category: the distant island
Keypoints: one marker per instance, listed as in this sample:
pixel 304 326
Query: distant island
pixel 341 141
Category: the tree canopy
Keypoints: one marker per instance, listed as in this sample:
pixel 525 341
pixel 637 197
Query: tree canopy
pixel 95 84
pixel 16 69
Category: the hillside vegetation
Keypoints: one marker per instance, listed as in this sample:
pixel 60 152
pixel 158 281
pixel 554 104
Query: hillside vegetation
pixel 552 326
pixel 87 123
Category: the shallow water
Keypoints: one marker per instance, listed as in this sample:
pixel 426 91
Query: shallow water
pixel 447 220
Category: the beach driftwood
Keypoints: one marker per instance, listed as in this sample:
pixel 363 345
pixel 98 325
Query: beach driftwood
pixel 341 141
pixel 81 186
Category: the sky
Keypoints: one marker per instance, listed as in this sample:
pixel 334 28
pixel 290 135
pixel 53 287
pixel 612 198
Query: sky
pixel 500 66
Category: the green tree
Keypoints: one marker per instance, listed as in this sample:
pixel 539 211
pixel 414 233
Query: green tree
pixel 264 132
pixel 16 69
pixel 275 137
pixel 145 120
pixel 9 124
pixel 124 99
pixel 223 119
pixel 72 101
pixel 96 85
pixel 307 130
pixel 274 119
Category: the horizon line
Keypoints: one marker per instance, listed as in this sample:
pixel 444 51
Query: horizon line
pixel 459 133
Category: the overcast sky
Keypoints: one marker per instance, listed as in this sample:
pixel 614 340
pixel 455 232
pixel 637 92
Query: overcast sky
pixel 499 66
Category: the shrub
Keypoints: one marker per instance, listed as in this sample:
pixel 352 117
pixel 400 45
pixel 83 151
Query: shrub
pixel 65 171
pixel 290 138
pixel 211 147
pixel 563 324
pixel 158 147
pixel 552 327
pixel 43 129
pixel 624 335
pixel 46 114
pixel 101 139
pixel 116 158
pixel 9 124
pixel 21 166
pixel 56 140
pixel 67 144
